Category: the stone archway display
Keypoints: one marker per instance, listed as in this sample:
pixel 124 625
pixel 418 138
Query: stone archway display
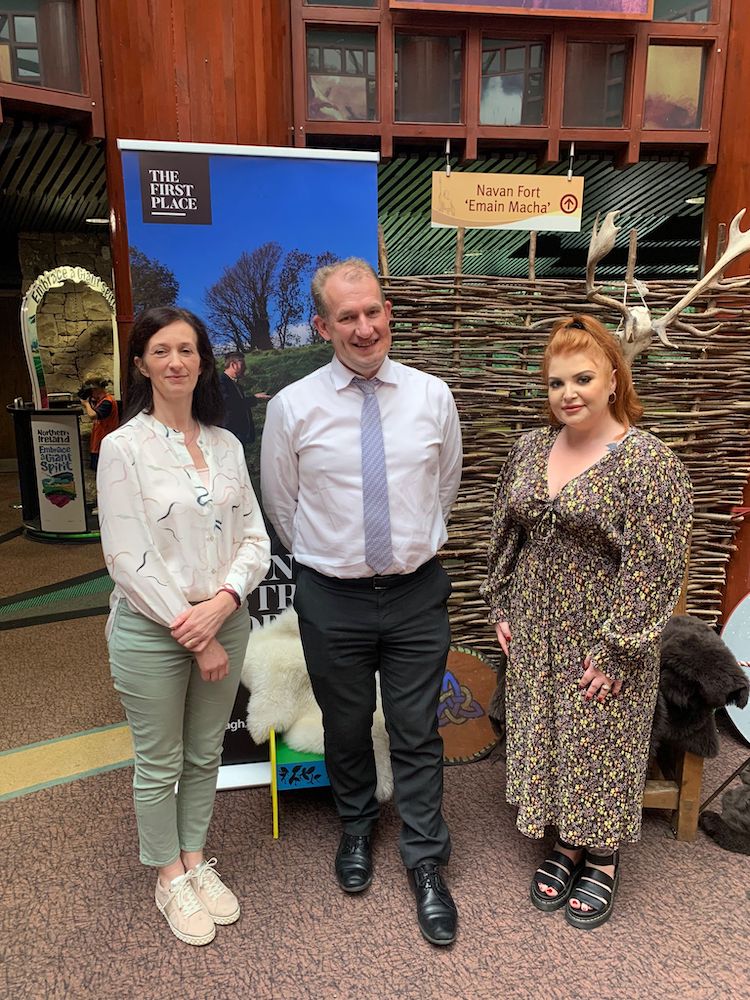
pixel 56 278
pixel 53 478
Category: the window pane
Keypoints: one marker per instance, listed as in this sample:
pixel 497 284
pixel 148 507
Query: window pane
pixel 674 86
pixel 25 29
pixel 512 85
pixel 342 87
pixel 27 64
pixel 332 60
pixel 502 99
pixel 595 84
pixel 683 10
pixel 515 59
pixel 355 62
pixel 21 25
pixel 614 98
pixel 617 64
pixel 428 78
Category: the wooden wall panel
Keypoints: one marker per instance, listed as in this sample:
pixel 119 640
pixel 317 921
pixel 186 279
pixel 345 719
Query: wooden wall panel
pixel 728 192
pixel 197 71
pixel 136 42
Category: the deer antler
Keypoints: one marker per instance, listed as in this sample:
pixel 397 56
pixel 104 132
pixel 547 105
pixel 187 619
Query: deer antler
pixel 601 243
pixel 739 243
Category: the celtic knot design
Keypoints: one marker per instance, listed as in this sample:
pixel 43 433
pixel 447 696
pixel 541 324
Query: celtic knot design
pixel 456 705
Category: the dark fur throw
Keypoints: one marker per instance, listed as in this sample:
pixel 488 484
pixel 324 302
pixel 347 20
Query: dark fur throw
pixel 731 829
pixel 698 675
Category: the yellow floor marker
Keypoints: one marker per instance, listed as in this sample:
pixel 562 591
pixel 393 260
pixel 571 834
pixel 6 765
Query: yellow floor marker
pixel 53 762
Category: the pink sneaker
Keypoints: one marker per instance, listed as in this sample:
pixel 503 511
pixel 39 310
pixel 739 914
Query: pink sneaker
pixel 220 902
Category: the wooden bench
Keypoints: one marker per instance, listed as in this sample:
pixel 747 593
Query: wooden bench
pixel 677 787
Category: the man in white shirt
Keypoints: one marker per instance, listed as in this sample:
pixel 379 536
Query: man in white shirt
pixel 360 465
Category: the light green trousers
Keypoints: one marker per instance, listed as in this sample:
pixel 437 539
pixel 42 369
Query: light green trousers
pixel 178 722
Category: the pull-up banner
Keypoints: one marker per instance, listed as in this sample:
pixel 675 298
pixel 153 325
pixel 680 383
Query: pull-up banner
pixel 507 201
pixel 234 234
pixel 639 10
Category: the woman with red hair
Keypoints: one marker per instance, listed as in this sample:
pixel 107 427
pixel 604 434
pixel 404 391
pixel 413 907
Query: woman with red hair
pixel 586 560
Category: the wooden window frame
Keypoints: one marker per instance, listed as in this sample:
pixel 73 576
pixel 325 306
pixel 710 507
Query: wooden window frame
pixel 684 43
pixel 527 41
pixel 696 4
pixel 443 32
pixel 15 46
pixel 551 139
pixel 366 75
pixel 603 38
pixel 87 107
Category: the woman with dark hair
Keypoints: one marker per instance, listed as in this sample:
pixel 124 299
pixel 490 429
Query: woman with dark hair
pixel 586 560
pixel 184 542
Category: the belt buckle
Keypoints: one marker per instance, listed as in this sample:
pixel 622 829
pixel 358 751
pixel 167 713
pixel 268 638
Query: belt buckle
pixel 378 583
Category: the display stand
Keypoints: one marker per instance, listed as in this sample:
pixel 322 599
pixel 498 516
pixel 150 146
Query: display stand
pixel 50 470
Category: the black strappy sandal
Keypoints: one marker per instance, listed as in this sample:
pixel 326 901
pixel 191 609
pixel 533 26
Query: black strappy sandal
pixel 558 870
pixel 596 889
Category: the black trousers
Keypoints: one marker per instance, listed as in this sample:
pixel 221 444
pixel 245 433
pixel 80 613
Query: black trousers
pixel 399 626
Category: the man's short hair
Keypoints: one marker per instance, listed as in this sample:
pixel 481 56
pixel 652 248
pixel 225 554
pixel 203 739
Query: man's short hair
pixel 351 268
pixel 233 356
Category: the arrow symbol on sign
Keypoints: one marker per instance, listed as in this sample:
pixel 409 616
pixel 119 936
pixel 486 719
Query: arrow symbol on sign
pixel 569 204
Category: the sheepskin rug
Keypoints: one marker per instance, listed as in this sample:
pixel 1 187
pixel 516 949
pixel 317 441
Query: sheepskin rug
pixel 281 697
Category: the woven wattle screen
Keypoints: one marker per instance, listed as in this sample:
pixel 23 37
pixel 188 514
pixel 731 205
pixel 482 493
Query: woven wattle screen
pixel 484 336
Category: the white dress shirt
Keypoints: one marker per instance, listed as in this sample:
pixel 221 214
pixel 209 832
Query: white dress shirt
pixel 311 467
pixel 168 539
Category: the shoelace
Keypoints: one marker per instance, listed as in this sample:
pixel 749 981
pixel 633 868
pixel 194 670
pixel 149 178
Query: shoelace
pixel 208 879
pixel 185 897
pixel 353 844
pixel 430 879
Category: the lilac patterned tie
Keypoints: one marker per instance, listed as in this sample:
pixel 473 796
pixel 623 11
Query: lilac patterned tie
pixel 377 517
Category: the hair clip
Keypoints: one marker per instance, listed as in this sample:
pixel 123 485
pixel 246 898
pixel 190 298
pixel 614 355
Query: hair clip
pixel 576 324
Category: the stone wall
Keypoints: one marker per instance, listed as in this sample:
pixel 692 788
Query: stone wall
pixel 74 323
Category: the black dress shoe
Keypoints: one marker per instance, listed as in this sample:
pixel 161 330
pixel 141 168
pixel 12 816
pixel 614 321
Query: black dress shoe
pixel 354 863
pixel 436 911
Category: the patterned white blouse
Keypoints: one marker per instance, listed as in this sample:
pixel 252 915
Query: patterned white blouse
pixel 168 539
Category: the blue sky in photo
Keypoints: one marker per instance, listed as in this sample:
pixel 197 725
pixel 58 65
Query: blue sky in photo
pixel 305 204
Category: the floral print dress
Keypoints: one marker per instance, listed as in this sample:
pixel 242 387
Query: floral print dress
pixel 597 570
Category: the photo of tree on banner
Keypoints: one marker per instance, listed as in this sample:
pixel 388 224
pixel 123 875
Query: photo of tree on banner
pixel 262 286
pixel 247 273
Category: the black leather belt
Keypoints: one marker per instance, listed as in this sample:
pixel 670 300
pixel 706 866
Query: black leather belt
pixel 373 582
